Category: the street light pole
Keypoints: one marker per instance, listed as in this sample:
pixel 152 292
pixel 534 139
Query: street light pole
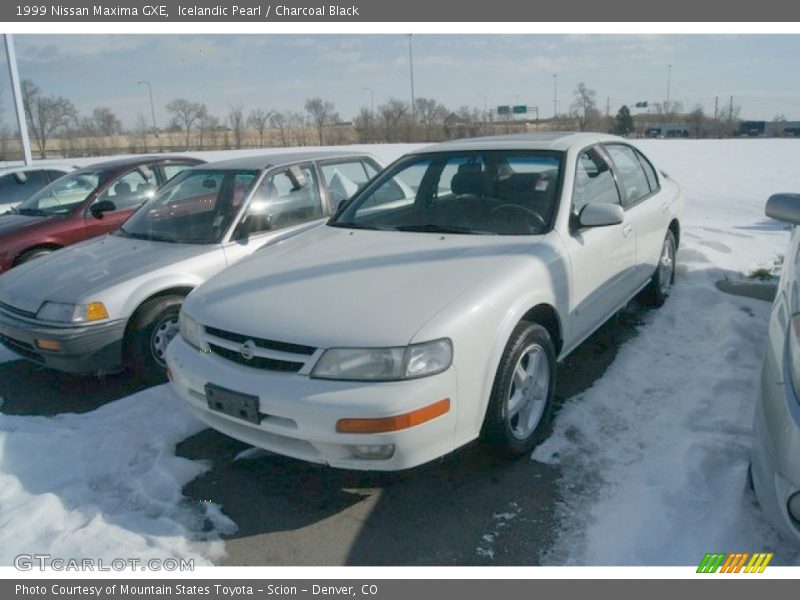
pixel 669 80
pixel 152 106
pixel 555 95
pixel 371 99
pixel 411 64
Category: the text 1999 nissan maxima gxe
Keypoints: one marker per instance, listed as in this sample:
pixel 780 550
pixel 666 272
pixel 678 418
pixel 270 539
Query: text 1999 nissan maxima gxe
pixel 433 306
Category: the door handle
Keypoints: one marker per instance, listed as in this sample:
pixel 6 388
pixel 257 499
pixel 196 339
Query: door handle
pixel 627 230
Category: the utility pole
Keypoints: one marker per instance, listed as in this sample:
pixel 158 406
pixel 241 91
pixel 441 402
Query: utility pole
pixel 669 80
pixel 152 106
pixel 11 56
pixel 608 106
pixel 730 117
pixel 716 115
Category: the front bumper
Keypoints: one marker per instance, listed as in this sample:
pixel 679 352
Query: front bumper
pixel 83 349
pixel 775 456
pixel 299 414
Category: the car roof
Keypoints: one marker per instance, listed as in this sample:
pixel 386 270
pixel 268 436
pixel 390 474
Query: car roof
pixel 128 161
pixel 550 140
pixel 264 161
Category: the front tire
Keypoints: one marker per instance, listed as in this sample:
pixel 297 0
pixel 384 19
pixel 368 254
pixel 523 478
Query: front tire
pixel 660 285
pixel 155 324
pixel 519 408
pixel 30 255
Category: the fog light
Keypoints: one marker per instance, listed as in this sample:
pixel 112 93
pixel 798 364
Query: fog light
pixel 373 452
pixel 794 506
pixel 48 345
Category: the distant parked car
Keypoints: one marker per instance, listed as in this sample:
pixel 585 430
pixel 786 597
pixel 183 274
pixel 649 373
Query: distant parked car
pixel 84 204
pixel 114 300
pixel 21 182
pixel 432 308
pixel 775 456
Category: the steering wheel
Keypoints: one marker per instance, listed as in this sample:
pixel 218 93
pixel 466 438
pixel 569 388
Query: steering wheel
pixel 536 222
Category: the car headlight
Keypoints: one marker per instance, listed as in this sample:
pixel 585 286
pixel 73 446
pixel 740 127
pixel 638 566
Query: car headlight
pixel 72 313
pixel 385 364
pixel 191 331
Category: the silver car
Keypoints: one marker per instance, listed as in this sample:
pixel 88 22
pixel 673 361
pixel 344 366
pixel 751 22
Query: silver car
pixel 775 457
pixel 113 301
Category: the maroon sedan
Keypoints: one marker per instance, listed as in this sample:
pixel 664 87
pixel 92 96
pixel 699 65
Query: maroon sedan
pixel 84 204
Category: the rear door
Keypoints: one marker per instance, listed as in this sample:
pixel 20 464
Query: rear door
pixel 601 258
pixel 644 203
pixel 344 177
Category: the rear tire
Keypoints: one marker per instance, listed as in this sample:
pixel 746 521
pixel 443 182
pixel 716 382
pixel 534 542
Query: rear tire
pixel 660 285
pixel 518 414
pixel 155 324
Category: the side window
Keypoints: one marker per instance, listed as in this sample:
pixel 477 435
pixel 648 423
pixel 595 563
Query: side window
pixel 288 197
pixel 649 171
pixel 130 190
pixel 343 180
pixel 594 181
pixel 173 169
pixel 13 189
pixel 53 175
pixel 398 191
pixel 631 172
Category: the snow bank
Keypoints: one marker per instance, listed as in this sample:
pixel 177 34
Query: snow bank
pixel 105 484
pixel 654 456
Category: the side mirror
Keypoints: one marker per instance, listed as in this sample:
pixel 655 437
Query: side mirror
pixel 601 214
pixel 297 177
pixel 784 207
pixel 21 177
pixel 101 207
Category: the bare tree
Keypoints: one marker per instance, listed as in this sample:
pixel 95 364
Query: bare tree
pixel 696 120
pixel 364 125
pixel 322 113
pixel 728 119
pixel 105 122
pixel 394 114
pixel 140 131
pixel 236 121
pixel 45 115
pixel 430 114
pixel 280 120
pixel 207 128
pixel 259 119
pixel 299 126
pixel 584 106
pixel 779 125
pixel 186 116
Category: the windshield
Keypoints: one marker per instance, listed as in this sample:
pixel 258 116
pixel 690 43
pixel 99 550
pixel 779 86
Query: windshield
pixel 196 207
pixel 498 192
pixel 63 195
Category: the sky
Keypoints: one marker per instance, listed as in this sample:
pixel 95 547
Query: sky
pixel 281 71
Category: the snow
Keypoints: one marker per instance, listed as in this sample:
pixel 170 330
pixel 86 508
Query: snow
pixel 105 484
pixel 654 455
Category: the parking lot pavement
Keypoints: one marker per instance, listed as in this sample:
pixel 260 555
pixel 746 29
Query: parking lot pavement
pixel 468 508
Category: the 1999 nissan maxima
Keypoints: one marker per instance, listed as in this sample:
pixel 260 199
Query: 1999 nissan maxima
pixel 433 307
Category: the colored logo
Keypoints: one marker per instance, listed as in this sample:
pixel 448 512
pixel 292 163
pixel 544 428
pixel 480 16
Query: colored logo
pixel 735 562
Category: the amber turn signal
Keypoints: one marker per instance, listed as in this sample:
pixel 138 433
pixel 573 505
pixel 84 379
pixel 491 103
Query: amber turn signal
pixel 396 423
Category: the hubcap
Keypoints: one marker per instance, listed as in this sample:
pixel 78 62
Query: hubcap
pixel 527 395
pixel 162 336
pixel 666 266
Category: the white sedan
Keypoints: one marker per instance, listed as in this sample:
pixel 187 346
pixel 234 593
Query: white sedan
pixel 434 306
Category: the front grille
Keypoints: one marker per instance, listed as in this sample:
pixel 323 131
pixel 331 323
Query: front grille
pixel 257 362
pixel 17 311
pixel 261 343
pixel 21 348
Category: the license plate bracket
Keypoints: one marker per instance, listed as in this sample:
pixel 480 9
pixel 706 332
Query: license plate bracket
pixel 232 403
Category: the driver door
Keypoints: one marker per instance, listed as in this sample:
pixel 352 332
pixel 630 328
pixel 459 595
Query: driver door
pixel 128 193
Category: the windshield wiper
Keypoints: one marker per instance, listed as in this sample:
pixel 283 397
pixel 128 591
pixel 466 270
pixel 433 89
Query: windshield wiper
pixel 29 212
pixel 431 228
pixel 352 225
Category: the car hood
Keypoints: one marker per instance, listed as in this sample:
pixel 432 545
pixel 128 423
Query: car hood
pixel 10 223
pixel 342 287
pixel 76 272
